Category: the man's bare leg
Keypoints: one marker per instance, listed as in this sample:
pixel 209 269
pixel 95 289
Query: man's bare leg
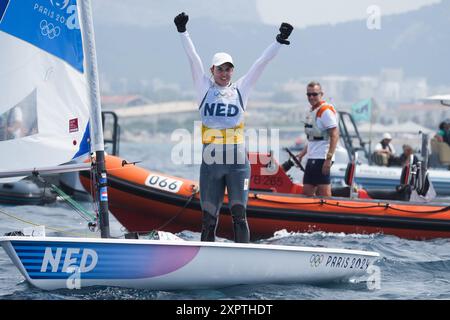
pixel 324 190
pixel 309 190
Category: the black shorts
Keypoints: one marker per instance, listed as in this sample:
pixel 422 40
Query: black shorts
pixel 313 173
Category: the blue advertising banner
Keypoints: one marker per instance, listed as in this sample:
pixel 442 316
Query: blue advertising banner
pixel 51 25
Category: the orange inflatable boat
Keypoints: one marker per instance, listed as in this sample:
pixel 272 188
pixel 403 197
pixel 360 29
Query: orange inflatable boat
pixel 144 200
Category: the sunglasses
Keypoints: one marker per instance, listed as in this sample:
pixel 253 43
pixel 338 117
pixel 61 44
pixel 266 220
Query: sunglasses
pixel 313 94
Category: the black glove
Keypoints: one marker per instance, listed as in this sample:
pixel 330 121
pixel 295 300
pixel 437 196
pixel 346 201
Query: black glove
pixel 285 31
pixel 180 21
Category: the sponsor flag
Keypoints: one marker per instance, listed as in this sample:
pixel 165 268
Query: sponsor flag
pixel 362 111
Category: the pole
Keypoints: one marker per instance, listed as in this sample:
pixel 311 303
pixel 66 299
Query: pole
pixel 102 183
pixel 425 154
pixel 372 105
pixel 97 140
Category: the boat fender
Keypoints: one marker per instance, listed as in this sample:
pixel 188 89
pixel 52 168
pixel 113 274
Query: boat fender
pixel 349 174
pixel 405 177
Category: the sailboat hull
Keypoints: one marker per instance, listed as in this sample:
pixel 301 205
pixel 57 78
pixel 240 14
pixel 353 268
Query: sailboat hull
pixel 68 263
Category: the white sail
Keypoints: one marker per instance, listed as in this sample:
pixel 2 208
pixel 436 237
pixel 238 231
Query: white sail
pixel 44 104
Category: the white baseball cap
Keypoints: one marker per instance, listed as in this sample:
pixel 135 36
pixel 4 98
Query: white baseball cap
pixel 387 136
pixel 220 58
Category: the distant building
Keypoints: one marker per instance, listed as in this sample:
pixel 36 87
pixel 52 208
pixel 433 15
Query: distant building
pixel 123 101
pixel 389 86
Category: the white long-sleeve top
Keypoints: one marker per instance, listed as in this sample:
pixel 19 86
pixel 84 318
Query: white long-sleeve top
pixel 203 81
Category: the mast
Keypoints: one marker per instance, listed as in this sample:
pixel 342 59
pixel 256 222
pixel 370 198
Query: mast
pixel 97 144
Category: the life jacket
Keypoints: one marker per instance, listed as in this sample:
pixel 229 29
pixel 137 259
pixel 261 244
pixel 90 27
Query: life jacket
pixel 312 131
pixel 222 113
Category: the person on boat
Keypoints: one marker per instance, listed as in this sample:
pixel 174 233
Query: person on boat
pixel 222 104
pixel 405 156
pixel 384 152
pixel 321 128
pixel 443 135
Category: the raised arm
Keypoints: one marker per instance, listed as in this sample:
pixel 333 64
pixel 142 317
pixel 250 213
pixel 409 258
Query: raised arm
pixel 201 81
pixel 247 82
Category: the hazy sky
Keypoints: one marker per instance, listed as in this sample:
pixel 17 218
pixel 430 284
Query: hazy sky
pixel 300 13
pixel 313 12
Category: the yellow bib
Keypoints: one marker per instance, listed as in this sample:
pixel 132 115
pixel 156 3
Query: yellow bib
pixel 223 136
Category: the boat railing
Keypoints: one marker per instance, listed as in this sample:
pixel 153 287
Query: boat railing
pixel 111 129
pixel 349 133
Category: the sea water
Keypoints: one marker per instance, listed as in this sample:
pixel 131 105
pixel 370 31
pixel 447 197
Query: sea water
pixel 408 269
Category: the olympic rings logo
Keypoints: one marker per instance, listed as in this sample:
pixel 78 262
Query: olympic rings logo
pixel 316 260
pixel 49 30
pixel 225 94
pixel 60 4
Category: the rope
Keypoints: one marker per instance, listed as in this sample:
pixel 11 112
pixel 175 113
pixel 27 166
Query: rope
pixel 385 205
pixel 17 218
pixel 256 196
pixel 86 215
pixel 154 232
pixel 389 206
pixel 37 224
pixel 93 191
pixel 194 192
pixel 83 213
pixel 444 209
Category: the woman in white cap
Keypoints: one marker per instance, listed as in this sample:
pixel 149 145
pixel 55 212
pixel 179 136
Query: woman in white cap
pixel 222 104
